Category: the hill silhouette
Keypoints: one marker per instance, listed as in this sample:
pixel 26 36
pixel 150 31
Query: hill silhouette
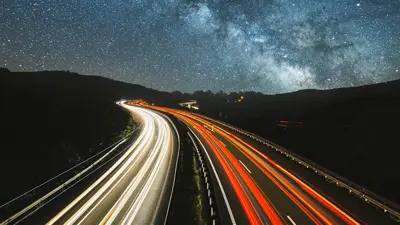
pixel 351 131
pixel 48 117
pixel 50 121
pixel 4 70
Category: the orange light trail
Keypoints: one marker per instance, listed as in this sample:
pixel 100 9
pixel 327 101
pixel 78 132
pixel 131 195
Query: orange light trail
pixel 211 140
pixel 243 199
pixel 266 206
pixel 333 208
pixel 249 151
pixel 251 156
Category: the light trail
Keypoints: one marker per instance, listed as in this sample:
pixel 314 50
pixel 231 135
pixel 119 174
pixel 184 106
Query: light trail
pixel 66 171
pixel 286 181
pixel 235 172
pixel 66 189
pixel 232 217
pixel 305 199
pixel 59 188
pixel 135 180
pixel 378 201
pixel 257 161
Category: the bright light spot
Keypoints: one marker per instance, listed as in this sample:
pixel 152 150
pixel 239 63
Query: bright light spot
pixel 358 4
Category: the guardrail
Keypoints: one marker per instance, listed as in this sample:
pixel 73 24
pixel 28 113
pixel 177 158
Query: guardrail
pixel 207 180
pixel 368 196
pixel 61 188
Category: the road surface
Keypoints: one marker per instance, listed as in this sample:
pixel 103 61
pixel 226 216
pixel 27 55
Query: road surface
pixel 252 188
pixel 137 188
pixel 251 183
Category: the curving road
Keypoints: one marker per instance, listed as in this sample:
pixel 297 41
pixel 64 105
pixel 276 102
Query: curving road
pixel 137 188
pixel 255 188
pixel 252 183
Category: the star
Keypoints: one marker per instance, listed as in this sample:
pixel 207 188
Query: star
pixel 273 47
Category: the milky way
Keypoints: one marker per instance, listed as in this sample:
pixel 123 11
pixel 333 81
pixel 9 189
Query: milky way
pixel 271 46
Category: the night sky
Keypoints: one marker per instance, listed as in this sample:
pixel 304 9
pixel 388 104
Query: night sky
pixel 272 46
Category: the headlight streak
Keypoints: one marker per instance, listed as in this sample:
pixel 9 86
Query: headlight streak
pixel 72 204
pixel 68 170
pixel 116 209
pixel 132 160
pixel 69 187
pixel 140 168
pixel 60 187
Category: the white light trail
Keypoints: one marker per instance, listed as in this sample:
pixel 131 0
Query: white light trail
pixel 132 181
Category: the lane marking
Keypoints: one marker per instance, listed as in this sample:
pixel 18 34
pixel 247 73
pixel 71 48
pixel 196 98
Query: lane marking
pixel 290 219
pixel 222 143
pixel 245 166
pixel 216 176
pixel 210 129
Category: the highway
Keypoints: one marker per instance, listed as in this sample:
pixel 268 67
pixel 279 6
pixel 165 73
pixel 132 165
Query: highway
pixel 253 188
pixel 247 180
pixel 137 188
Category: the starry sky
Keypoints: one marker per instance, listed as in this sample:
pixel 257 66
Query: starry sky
pixel 271 46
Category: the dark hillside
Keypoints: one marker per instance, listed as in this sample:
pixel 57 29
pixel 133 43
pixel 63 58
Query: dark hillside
pixel 352 131
pixel 52 120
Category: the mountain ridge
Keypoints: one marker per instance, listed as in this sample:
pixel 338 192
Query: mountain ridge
pixel 345 130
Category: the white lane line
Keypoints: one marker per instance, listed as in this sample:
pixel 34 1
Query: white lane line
pixel 228 206
pixel 210 129
pixel 222 143
pixel 244 166
pixel 290 219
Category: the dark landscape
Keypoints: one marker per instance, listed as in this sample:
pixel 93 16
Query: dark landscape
pixel 351 131
pixel 52 120
pixel 200 112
